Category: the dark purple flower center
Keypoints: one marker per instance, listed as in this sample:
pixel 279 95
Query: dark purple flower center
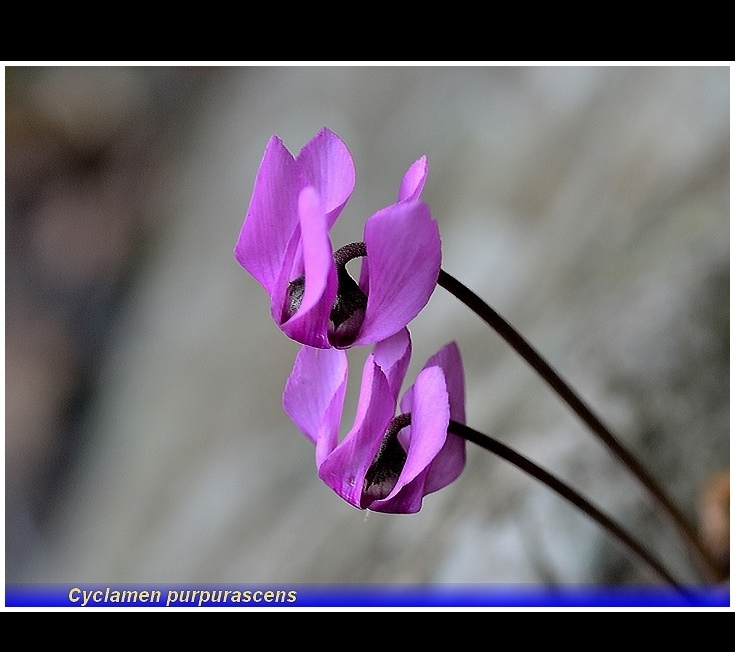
pixel 348 310
pixel 294 297
pixel 382 475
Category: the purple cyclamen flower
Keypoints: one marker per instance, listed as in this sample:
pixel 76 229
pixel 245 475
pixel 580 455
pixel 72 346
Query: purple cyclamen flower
pixel 382 464
pixel 284 243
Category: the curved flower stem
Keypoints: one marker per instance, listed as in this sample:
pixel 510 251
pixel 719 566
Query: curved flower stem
pixel 704 560
pixel 565 491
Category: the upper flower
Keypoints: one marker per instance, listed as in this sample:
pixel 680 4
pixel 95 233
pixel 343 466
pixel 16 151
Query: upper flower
pixel 284 243
pixel 385 463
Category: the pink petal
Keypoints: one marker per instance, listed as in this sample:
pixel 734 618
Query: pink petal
pixel 401 268
pixel 310 322
pixel 393 356
pixel 314 396
pixel 414 180
pixel 325 163
pixel 424 439
pixel 449 463
pixel 271 217
pixel 345 467
pixel 450 360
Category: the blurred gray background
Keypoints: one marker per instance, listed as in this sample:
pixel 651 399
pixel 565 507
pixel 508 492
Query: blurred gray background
pixel 145 439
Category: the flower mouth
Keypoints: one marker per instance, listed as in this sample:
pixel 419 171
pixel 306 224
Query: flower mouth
pixel 348 310
pixel 386 467
pixel 294 297
pixel 347 313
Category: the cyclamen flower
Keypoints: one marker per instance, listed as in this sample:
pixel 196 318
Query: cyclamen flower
pixel 385 463
pixel 284 243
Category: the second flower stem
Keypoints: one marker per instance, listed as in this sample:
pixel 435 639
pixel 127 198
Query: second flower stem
pixel 702 557
pixel 565 491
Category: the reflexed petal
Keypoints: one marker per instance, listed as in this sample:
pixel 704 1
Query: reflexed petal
pixel 423 441
pixel 345 467
pixel 314 396
pixel 414 180
pixel 363 401
pixel 309 324
pixel 448 464
pixel 393 356
pixel 450 360
pixel 450 461
pixel 270 244
pixel 326 163
pixel 271 217
pixel 401 268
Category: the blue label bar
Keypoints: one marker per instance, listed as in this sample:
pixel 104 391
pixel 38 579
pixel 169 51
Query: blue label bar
pixel 385 595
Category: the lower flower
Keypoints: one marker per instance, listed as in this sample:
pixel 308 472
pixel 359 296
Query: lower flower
pixel 385 463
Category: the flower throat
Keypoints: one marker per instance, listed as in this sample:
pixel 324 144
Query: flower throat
pixel 348 309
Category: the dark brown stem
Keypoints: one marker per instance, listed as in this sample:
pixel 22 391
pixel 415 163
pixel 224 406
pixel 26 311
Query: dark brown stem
pixel 349 252
pixel 702 557
pixel 565 491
